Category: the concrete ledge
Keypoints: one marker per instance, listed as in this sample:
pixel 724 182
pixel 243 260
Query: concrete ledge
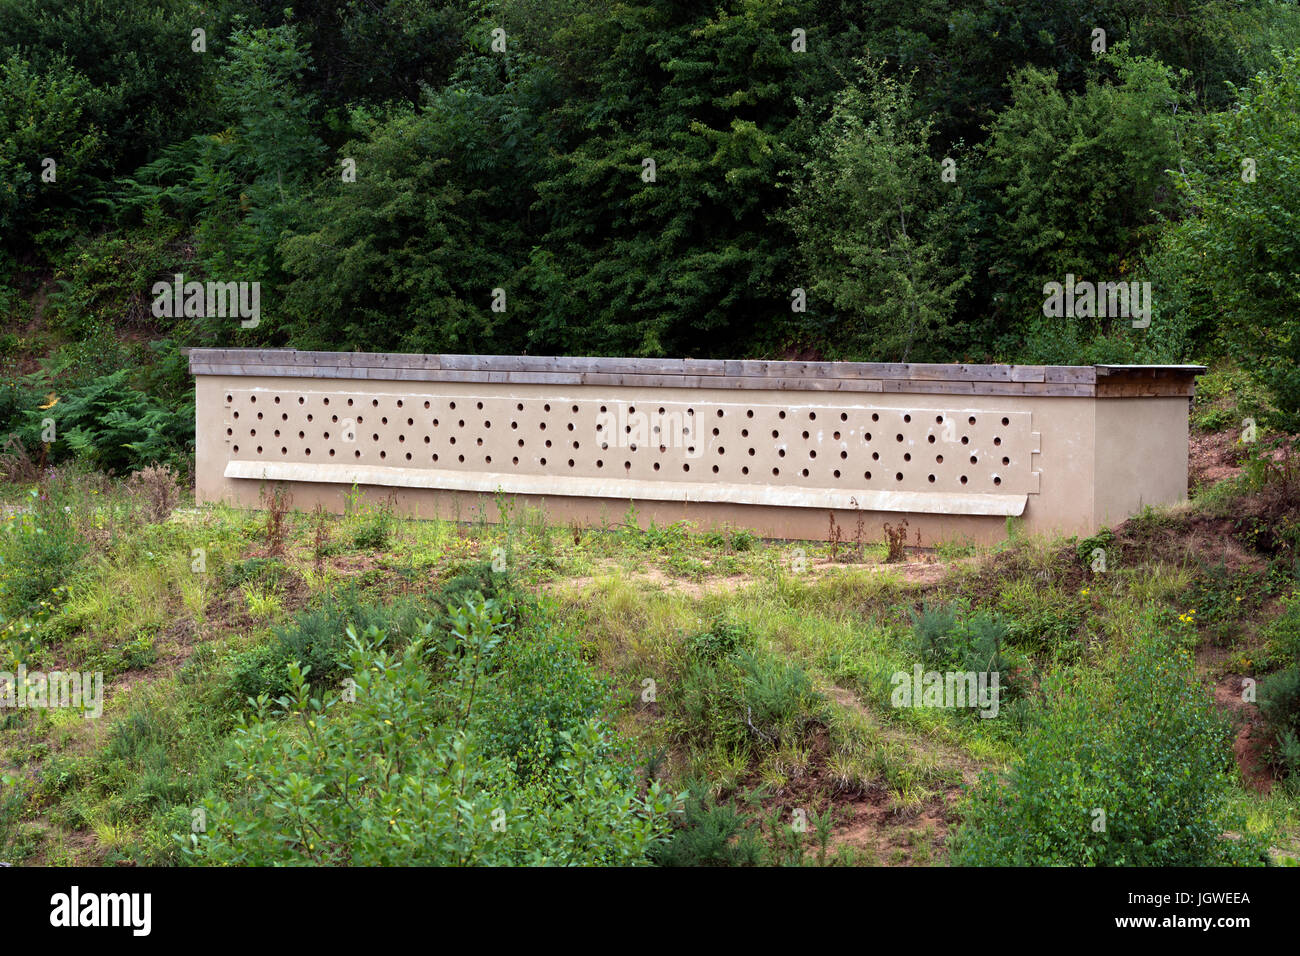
pixel 631 490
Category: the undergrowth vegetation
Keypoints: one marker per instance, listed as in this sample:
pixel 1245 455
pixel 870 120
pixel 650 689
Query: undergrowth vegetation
pixel 282 687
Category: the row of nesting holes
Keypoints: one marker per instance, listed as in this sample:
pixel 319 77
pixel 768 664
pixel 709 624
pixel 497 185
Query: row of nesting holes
pixel 812 416
pixel 401 438
pixel 812 453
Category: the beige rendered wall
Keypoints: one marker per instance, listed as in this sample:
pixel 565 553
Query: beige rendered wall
pixel 1141 456
pixel 1044 459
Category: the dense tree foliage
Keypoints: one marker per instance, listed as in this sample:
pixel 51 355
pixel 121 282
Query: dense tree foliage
pixel 814 177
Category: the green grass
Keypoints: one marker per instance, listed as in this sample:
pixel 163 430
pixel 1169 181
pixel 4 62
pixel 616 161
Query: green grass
pixel 770 666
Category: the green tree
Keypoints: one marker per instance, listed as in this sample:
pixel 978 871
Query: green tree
pixel 1241 251
pixel 152 87
pixel 686 256
pixel 254 172
pixel 878 227
pixel 407 257
pixel 1075 183
pixel 43 115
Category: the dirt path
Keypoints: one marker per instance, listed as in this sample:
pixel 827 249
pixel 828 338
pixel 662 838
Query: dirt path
pixel 873 824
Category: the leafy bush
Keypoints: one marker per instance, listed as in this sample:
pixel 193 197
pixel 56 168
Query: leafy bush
pixel 1134 774
pixel 722 639
pixel 400 776
pixel 541 691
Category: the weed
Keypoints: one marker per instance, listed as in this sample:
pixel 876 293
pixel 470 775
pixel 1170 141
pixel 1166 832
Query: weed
pixel 157 490
pixel 276 505
pixel 320 535
pixel 896 541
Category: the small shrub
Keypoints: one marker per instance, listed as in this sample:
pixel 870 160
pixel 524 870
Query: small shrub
pixel 541 690
pixel 1279 705
pixel 475 578
pixel 399 777
pixel 944 641
pixel 1282 634
pixel 18 840
pixel 376 529
pixel 317 638
pixel 38 549
pixel 320 535
pixel 16 465
pixel 710 834
pixel 934 631
pixel 139 653
pixel 722 639
pixel 1103 540
pixel 743 540
pixel 1138 773
pixel 745 700
pixel 1042 619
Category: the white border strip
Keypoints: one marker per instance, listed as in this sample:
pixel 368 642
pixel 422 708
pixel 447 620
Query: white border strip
pixel 920 502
